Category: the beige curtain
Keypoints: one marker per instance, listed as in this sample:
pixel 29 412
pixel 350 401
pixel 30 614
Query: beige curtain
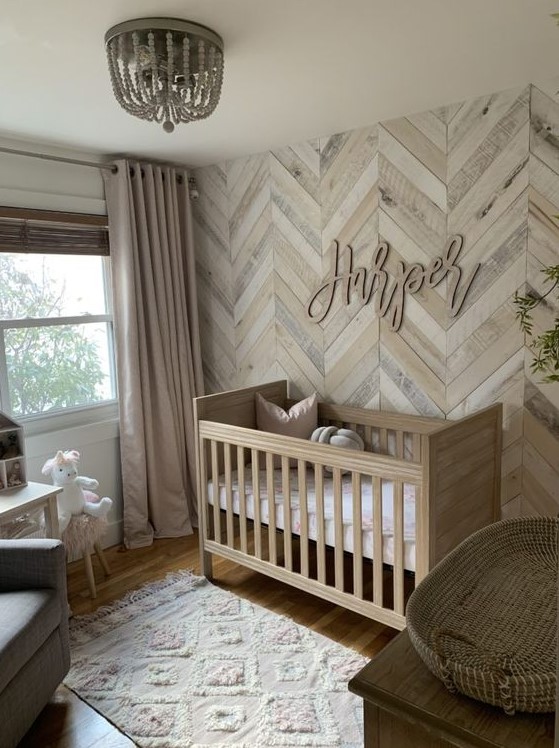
pixel 157 347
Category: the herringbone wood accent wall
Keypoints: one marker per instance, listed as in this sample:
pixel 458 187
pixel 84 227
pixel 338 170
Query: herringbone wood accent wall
pixel 487 169
pixel 540 463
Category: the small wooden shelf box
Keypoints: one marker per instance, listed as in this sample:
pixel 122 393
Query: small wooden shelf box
pixel 13 469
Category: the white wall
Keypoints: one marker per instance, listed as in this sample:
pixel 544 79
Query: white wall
pixel 34 183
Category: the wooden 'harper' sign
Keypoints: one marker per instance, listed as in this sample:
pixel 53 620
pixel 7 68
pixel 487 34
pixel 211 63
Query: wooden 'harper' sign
pixel 389 300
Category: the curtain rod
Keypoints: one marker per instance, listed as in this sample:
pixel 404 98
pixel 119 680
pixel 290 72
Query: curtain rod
pixel 63 159
pixel 78 162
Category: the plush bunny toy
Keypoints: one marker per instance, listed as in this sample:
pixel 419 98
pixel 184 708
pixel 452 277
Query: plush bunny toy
pixel 63 469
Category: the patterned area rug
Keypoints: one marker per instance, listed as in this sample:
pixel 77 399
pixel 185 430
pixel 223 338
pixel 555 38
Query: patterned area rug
pixel 182 663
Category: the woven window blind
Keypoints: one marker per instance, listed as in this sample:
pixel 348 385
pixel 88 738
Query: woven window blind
pixel 53 233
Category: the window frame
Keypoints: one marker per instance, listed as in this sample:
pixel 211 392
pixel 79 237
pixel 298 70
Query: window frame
pixel 21 218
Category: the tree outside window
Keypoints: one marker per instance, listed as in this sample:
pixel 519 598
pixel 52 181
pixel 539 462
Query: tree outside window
pixel 55 331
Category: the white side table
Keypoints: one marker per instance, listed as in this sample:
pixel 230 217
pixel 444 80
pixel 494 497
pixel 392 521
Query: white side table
pixel 18 501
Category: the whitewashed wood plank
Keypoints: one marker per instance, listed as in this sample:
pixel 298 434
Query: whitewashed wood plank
pixel 548 390
pixel 211 209
pixel 433 129
pixel 496 190
pixel 257 292
pixel 288 242
pixel 412 210
pixel 343 160
pixel 297 175
pixel 290 368
pixel 545 474
pixel 513 426
pixel 543 439
pixel 534 499
pixel 426 338
pixel 452 110
pixel 393 399
pixel 544 182
pixel 488 334
pixel 259 319
pixel 506 385
pixel 544 130
pixel 432 301
pixel 348 203
pixel 512 508
pixel 358 229
pixel 485 364
pixel 251 227
pixel 309 153
pixel 247 178
pixel 490 145
pixel 548 85
pixel 423 378
pixel 427 180
pixel 538 281
pixel 501 252
pixel 300 270
pixel 474 121
pixel 406 246
pixel 301 207
pixel 344 372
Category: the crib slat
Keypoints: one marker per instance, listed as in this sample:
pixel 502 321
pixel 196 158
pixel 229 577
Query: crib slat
pixel 287 539
pixel 398 572
pixel 416 447
pixel 215 493
pixel 400 445
pixel 303 517
pixel 408 446
pixel 377 541
pixel 228 494
pixel 242 497
pixel 256 500
pixel 338 530
pixel 357 535
pixel 368 438
pixel 383 441
pixel 271 491
pixel 320 544
pixel 421 534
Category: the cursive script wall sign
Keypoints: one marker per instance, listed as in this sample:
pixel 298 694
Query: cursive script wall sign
pixel 390 296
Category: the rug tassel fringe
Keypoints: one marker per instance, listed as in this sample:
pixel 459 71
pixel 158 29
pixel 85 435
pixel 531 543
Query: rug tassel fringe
pixel 134 596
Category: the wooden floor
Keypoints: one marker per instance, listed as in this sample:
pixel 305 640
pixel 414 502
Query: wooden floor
pixel 67 722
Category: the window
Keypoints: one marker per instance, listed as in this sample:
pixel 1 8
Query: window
pixel 56 328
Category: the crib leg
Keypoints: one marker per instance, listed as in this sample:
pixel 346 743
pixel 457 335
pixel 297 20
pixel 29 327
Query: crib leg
pixel 206 564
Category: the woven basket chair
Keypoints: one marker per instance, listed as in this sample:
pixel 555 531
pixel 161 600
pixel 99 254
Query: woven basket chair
pixel 484 620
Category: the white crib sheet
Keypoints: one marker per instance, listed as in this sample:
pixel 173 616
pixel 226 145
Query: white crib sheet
pixel 367 510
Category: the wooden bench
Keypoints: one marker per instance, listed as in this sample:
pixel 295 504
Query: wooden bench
pixel 405 705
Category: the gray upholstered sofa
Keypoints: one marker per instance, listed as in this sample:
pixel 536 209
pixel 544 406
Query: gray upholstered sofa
pixel 34 646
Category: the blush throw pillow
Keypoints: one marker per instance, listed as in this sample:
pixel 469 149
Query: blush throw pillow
pixel 299 421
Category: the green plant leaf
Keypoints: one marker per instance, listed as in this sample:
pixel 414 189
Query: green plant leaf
pixel 545 347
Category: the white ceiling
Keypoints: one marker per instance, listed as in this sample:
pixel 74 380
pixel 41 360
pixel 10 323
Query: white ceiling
pixel 294 69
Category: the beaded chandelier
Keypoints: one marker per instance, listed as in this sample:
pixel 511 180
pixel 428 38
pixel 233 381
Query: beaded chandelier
pixel 165 70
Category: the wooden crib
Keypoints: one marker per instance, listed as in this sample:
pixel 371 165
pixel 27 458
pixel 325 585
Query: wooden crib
pixel 356 528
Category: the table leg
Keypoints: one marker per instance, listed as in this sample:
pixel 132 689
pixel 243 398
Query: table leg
pixel 51 518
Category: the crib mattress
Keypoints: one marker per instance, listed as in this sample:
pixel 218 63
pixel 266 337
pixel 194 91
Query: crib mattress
pixel 347 511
